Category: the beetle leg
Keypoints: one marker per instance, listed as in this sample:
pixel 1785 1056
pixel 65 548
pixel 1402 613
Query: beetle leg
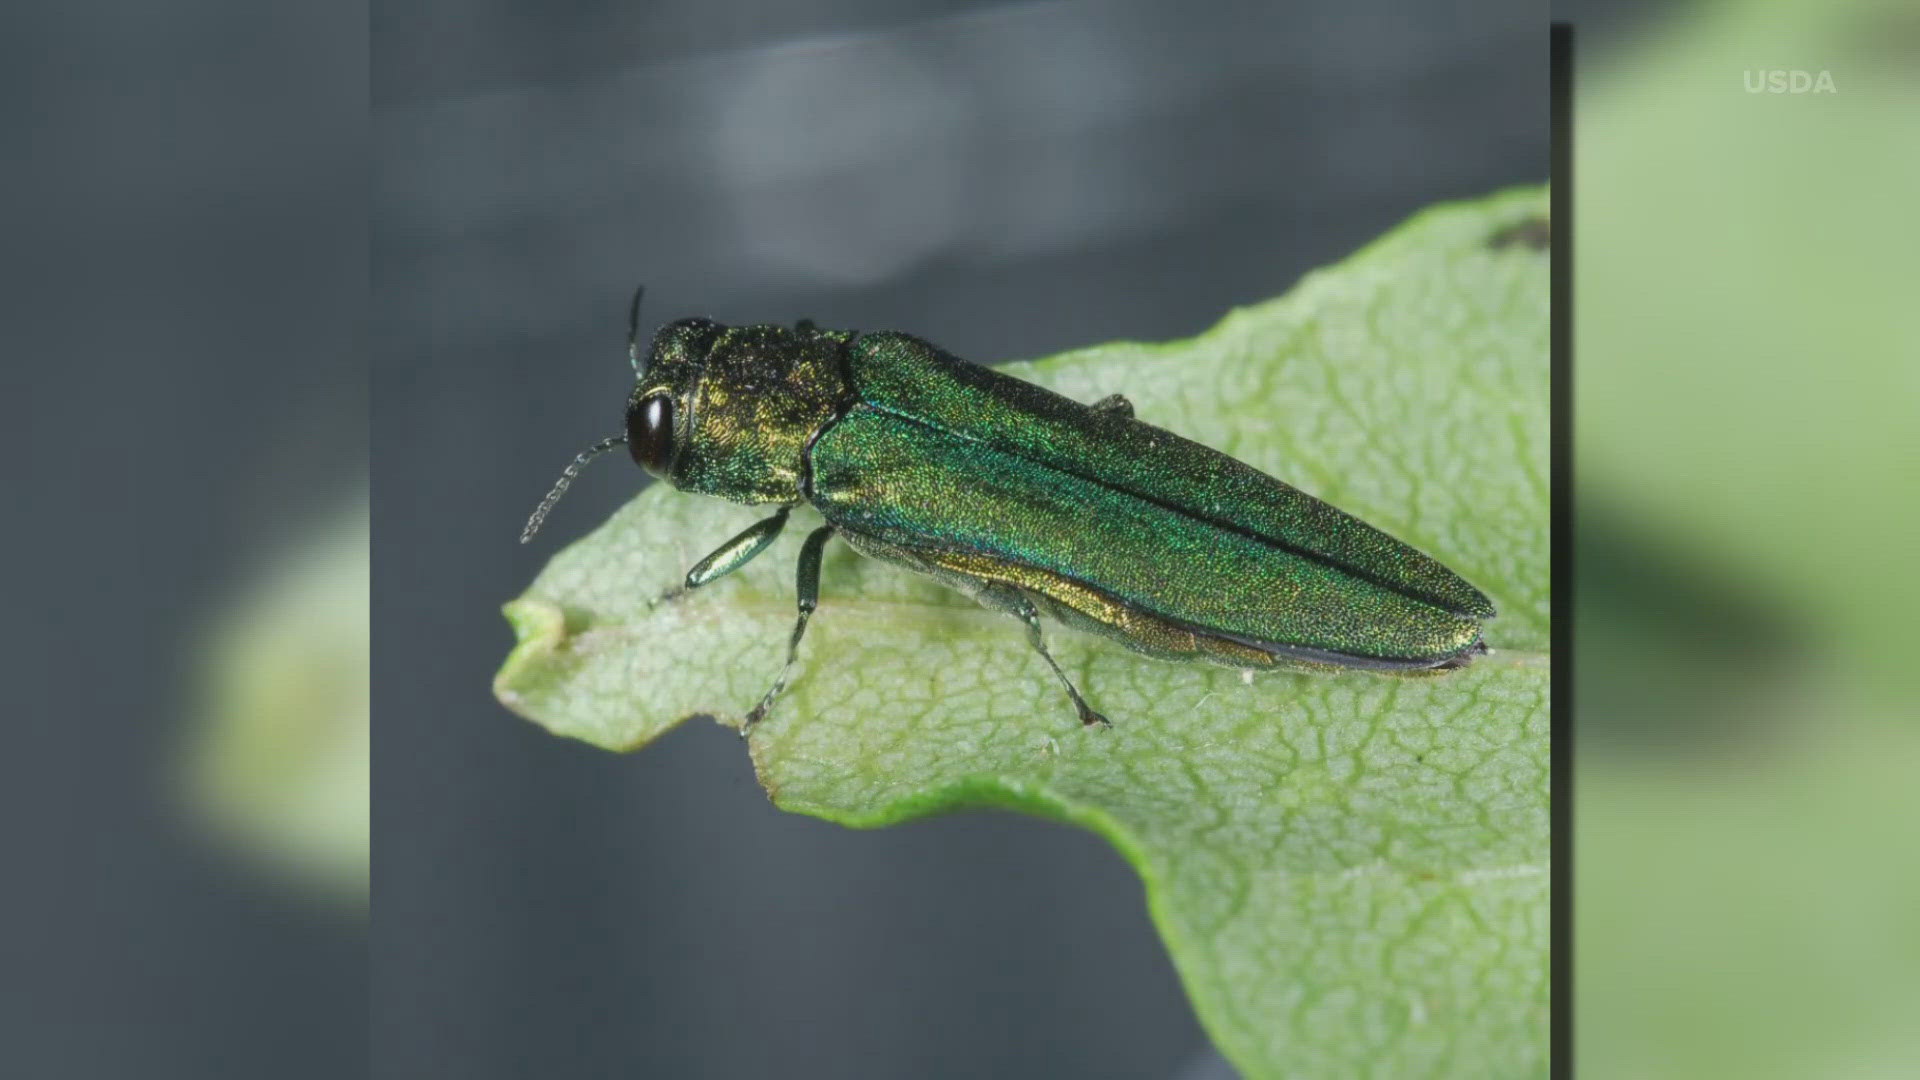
pixel 738 551
pixel 808 586
pixel 1025 612
pixel 1113 403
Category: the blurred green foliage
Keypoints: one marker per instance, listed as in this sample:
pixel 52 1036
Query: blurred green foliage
pixel 1746 453
pixel 279 764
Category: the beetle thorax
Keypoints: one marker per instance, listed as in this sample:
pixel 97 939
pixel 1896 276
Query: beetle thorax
pixel 754 404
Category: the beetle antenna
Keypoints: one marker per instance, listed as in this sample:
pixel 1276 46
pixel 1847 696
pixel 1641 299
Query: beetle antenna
pixel 566 479
pixel 633 327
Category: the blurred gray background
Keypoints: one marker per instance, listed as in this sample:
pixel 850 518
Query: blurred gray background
pixel 184 297
pixel 1004 179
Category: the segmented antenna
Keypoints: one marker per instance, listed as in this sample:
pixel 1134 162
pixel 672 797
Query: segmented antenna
pixel 566 479
pixel 633 327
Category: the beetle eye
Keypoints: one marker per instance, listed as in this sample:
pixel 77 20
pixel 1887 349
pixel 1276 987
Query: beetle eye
pixel 650 434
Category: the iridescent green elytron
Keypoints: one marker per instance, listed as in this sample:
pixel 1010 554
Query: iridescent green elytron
pixel 1029 502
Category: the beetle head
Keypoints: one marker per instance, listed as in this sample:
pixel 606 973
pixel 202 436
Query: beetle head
pixel 729 411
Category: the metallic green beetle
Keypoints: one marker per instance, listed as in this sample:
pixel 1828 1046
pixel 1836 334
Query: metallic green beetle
pixel 1029 502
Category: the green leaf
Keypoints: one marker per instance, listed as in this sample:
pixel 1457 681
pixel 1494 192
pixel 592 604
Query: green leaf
pixel 1349 870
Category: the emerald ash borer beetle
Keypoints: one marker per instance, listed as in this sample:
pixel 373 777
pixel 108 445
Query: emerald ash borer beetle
pixel 1029 502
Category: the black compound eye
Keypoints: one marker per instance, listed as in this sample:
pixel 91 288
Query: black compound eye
pixel 650 434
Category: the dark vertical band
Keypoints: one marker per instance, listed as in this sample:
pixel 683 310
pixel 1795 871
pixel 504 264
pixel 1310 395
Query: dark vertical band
pixel 1560 699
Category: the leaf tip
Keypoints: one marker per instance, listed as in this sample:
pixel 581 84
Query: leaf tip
pixel 540 628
